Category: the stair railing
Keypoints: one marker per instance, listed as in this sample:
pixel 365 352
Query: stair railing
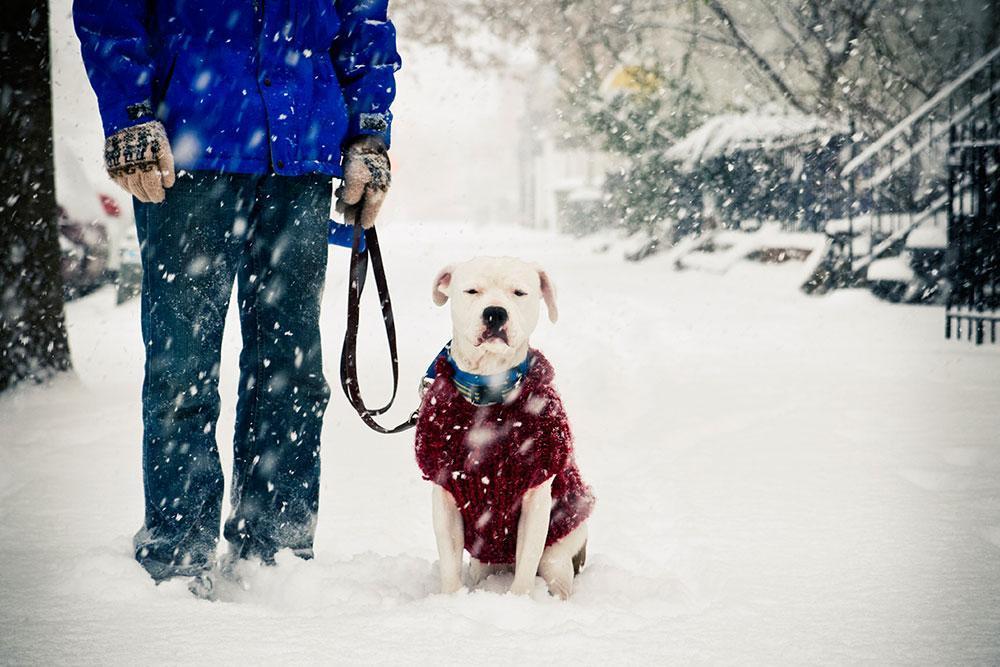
pixel 900 180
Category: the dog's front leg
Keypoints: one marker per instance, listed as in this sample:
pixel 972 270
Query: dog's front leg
pixel 449 531
pixel 532 530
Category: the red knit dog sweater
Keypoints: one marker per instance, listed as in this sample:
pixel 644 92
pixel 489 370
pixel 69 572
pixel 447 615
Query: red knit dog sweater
pixel 488 456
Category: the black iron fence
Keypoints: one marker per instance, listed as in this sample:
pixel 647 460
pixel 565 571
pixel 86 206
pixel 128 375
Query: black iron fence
pixel 973 307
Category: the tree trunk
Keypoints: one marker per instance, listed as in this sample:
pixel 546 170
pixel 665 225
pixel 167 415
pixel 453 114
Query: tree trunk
pixel 33 343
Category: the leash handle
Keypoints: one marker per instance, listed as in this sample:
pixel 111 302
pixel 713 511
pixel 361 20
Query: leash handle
pixel 360 255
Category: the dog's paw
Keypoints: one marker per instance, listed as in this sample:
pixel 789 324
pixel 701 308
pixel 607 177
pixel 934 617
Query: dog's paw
pixel 522 588
pixel 560 588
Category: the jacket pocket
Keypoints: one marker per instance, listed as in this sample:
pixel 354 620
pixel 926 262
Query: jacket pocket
pixel 163 81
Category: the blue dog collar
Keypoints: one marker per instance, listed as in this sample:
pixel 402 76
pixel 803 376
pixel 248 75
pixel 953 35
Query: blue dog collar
pixel 482 389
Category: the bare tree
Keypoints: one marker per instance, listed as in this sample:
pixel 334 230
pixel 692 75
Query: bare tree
pixel 868 59
pixel 871 60
pixel 33 342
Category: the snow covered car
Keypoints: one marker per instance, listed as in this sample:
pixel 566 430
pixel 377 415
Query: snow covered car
pixel 95 220
pixel 83 245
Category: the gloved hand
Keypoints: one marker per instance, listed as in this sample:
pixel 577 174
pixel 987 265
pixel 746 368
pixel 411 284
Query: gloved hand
pixel 138 159
pixel 367 174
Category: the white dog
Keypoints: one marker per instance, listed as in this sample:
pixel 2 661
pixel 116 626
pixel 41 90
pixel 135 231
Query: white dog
pixel 493 437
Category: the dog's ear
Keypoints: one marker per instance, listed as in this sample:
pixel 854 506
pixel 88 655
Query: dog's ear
pixel 441 283
pixel 548 294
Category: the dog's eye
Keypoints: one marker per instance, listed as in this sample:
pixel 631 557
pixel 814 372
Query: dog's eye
pixel 520 292
pixel 472 291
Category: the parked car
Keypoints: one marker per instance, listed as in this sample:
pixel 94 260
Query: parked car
pixel 84 247
pixel 95 220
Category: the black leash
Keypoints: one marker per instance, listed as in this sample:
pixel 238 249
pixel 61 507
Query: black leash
pixel 349 354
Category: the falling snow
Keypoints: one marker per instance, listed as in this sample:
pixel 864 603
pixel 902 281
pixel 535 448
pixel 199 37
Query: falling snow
pixel 783 478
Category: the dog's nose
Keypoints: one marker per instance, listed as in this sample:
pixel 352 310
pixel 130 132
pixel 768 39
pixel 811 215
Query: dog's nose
pixel 494 317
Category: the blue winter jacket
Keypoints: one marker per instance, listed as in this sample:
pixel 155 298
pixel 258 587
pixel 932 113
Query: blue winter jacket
pixel 244 86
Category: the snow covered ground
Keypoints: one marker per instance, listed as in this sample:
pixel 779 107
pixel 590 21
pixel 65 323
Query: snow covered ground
pixel 780 479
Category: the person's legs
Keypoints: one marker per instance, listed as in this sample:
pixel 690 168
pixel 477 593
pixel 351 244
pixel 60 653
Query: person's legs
pixel 283 395
pixel 190 250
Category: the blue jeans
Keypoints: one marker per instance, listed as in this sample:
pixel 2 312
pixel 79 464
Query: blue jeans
pixel 269 233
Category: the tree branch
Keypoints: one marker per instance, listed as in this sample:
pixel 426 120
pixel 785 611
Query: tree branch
pixel 744 45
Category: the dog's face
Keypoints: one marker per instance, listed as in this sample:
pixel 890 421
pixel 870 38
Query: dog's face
pixel 494 301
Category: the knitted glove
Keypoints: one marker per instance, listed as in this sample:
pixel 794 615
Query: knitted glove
pixel 367 174
pixel 138 159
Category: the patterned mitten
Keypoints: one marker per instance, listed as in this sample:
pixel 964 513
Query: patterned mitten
pixel 138 159
pixel 368 174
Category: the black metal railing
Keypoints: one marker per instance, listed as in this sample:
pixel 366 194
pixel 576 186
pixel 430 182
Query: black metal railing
pixel 973 264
